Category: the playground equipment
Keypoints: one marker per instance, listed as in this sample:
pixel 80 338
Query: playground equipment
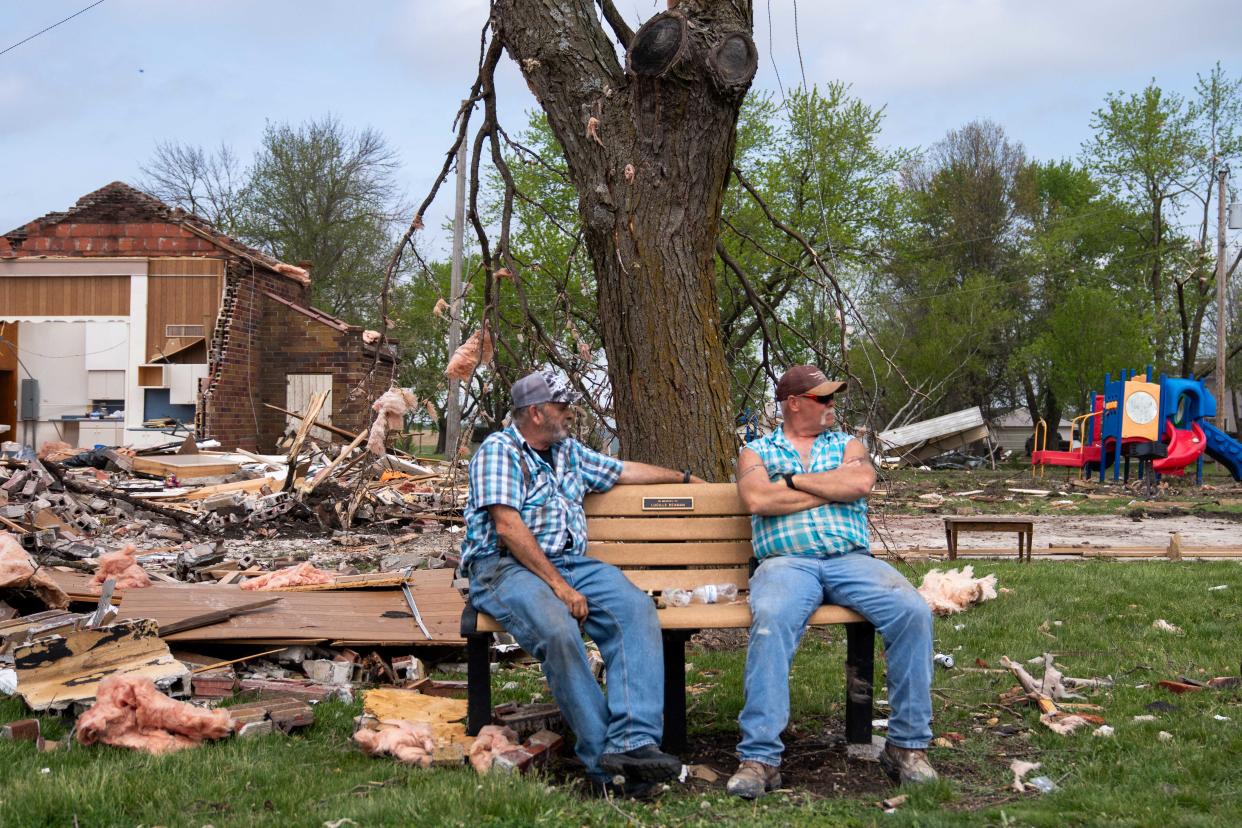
pixel 1161 424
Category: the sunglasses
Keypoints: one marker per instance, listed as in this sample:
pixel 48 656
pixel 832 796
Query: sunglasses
pixel 822 399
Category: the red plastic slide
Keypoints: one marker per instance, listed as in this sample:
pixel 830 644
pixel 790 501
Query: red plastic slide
pixel 1185 447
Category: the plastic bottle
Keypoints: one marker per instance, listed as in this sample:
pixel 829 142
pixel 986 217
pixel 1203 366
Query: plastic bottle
pixel 703 594
pixel 714 593
pixel 676 597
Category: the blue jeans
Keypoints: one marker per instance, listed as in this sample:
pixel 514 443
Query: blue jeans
pixel 784 593
pixel 621 621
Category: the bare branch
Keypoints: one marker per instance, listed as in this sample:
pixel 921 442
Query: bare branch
pixel 619 27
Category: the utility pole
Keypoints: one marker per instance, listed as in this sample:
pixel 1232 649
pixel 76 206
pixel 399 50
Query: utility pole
pixel 452 413
pixel 1222 319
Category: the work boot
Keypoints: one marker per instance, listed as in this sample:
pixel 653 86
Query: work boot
pixel 608 789
pixel 642 764
pixel 753 779
pixel 907 766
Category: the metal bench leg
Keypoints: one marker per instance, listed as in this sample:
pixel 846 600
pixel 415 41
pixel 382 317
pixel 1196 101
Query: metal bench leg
pixel 859 674
pixel 675 689
pixel 478 682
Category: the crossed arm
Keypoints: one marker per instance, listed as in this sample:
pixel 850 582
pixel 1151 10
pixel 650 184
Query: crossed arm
pixel 848 482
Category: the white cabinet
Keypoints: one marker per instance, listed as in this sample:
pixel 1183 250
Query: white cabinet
pixel 183 383
pixel 106 346
pixel 100 433
pixel 105 385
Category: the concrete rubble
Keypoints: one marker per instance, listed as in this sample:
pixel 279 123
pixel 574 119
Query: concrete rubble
pixel 124 602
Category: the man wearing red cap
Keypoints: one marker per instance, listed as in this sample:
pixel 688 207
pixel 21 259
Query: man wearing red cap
pixel 805 486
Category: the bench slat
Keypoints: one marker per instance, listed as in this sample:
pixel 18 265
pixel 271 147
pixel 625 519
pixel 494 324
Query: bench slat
pixel 661 579
pixel 668 528
pixel 709 499
pixel 672 554
pixel 713 616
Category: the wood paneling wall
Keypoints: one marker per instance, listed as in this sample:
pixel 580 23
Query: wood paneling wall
pixel 181 292
pixel 65 295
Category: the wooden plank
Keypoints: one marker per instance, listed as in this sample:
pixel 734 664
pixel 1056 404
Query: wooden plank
pixel 305 487
pixel 708 499
pixel 58 670
pixel 187 466
pixel 668 528
pixel 312 411
pixel 711 553
pixel 662 579
pixel 300 393
pixel 65 295
pixel 713 616
pixel 362 616
pixel 247 486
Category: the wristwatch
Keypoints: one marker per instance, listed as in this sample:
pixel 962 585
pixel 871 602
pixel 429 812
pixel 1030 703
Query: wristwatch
pixel 789 482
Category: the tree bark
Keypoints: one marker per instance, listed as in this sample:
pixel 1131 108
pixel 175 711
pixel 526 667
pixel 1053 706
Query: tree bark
pixel 649 156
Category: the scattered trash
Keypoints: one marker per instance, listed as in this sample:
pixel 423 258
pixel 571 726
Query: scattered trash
pixel 1020 769
pixel 893 803
pixel 1042 784
pixel 1165 626
pixel 1102 730
pixel 1164 736
pixel 1218 587
pixel 943 660
pixel 951 591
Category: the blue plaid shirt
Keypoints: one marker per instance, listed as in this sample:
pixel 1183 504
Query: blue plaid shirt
pixel 551 506
pixel 822 532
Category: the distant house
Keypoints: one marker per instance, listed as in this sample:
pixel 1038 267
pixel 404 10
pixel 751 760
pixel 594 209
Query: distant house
pixel 129 310
pixel 1012 430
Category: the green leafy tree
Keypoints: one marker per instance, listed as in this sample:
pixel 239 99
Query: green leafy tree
pixel 327 195
pixel 949 305
pixel 318 193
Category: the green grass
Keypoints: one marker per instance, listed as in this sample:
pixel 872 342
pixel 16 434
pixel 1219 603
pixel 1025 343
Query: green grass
pixel 1105 610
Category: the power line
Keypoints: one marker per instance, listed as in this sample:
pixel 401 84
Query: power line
pixel 53 26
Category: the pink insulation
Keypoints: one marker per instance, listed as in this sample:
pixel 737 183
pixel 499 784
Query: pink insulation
pixel 130 712
pixel 492 741
pixel 370 337
pixel 123 566
pixel 475 351
pixel 390 409
pixel 955 590
pixel 301 575
pixel 18 571
pixel 409 742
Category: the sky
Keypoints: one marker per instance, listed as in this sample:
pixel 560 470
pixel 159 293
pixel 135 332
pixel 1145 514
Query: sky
pixel 87 102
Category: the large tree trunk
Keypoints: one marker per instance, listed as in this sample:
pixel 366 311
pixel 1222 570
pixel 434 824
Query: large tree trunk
pixel 649 153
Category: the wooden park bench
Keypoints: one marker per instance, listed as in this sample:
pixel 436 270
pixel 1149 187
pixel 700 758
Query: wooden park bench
pixel 681 536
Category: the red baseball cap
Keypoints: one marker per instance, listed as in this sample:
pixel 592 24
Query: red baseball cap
pixel 805 379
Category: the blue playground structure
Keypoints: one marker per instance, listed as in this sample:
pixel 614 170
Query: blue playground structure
pixel 1162 424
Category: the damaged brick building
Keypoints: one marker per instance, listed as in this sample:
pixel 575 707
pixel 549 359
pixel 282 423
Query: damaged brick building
pixel 123 310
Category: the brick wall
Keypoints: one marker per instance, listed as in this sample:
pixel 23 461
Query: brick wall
pixel 263 341
pixel 114 239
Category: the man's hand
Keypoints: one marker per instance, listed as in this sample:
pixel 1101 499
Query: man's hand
pixel 573 599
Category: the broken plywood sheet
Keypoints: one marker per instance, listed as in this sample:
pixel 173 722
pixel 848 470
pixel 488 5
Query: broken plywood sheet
pixel 57 670
pixel 185 466
pixel 444 715
pixel 347 617
pixel 926 439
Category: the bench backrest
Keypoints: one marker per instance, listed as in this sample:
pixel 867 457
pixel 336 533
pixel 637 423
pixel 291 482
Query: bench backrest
pixel 672 535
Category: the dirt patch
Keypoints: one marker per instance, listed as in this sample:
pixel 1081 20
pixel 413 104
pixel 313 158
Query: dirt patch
pixel 904 532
